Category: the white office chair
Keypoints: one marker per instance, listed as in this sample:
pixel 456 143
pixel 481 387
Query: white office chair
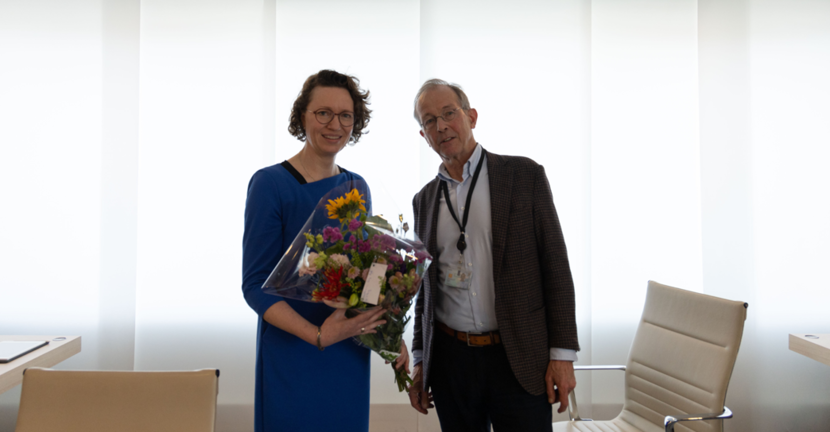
pixel 680 363
pixel 123 401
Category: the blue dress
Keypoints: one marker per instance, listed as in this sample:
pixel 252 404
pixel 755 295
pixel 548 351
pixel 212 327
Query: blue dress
pixel 298 387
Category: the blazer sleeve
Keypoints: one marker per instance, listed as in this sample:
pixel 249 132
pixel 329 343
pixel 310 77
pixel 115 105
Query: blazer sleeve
pixel 557 281
pixel 417 338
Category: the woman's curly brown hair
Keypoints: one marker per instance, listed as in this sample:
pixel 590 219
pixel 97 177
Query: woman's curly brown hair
pixel 330 78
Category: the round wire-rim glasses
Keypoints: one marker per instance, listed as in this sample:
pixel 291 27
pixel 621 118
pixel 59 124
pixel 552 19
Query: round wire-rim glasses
pixel 325 117
pixel 432 122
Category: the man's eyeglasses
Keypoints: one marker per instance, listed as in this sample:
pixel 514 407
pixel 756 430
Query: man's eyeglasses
pixel 432 122
pixel 325 117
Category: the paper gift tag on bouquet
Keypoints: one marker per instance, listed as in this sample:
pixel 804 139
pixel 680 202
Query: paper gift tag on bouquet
pixel 371 290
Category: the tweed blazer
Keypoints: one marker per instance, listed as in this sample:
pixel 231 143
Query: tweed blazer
pixel 535 306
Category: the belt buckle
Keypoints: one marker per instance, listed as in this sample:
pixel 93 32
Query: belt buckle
pixel 474 334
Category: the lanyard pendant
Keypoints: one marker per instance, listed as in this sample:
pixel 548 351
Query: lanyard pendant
pixel 462 244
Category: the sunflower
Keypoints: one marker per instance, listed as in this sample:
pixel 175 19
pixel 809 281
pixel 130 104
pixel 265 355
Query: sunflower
pixel 346 207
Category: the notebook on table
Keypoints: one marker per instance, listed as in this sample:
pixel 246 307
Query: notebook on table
pixel 10 350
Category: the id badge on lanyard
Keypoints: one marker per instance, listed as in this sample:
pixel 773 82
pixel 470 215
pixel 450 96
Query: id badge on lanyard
pixel 459 276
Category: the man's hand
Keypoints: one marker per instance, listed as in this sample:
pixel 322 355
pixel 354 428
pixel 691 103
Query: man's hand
pixel 421 400
pixel 403 360
pixel 561 375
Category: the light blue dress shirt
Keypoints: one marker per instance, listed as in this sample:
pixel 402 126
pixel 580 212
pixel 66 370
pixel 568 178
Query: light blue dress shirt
pixel 472 309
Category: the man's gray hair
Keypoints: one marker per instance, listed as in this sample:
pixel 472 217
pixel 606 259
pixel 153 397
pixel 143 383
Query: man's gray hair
pixel 435 82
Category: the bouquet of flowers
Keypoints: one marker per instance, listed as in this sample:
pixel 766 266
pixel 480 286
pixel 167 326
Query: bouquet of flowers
pixel 346 258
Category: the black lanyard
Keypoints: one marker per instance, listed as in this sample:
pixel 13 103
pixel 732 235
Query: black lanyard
pixel 462 244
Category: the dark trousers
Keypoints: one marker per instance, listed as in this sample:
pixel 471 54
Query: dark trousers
pixel 474 387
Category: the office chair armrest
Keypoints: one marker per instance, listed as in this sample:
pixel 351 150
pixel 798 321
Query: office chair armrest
pixel 599 367
pixel 573 410
pixel 669 421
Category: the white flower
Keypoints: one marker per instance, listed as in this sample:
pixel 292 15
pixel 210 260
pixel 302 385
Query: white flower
pixel 341 260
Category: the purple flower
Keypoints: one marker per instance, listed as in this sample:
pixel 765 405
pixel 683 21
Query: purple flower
pixel 332 234
pixel 363 246
pixel 395 259
pixel 355 224
pixel 422 256
pixel 383 243
pixel 389 242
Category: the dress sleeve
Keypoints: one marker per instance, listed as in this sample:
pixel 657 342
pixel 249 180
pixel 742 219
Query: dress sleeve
pixel 262 240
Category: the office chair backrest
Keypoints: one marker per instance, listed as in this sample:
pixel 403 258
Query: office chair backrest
pixel 128 401
pixel 682 357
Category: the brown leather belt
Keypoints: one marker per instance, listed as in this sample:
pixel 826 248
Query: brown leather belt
pixel 472 339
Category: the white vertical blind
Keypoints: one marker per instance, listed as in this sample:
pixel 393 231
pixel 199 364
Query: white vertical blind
pixel 645 173
pixel 50 174
pixel 685 142
pixel 726 174
pixel 119 183
pixel 50 121
pixel 202 107
pixel 789 64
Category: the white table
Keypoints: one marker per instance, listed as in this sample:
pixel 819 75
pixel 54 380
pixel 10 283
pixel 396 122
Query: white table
pixel 813 345
pixel 58 350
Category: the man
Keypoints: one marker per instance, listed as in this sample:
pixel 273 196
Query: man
pixel 495 327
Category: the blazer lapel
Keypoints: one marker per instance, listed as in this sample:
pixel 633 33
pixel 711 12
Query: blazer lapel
pixel 501 183
pixel 432 228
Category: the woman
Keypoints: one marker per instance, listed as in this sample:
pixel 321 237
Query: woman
pixel 310 375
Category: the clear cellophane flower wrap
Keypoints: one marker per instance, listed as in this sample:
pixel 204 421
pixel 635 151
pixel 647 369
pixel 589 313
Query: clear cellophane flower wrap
pixel 331 258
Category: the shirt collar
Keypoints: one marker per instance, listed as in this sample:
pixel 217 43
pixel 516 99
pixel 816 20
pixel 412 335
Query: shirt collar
pixel 469 167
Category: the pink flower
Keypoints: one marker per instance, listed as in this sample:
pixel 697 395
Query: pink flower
pixel 396 281
pixel 416 282
pixel 307 266
pixel 365 274
pixel 354 272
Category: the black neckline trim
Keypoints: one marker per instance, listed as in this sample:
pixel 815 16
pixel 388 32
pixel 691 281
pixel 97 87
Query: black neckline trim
pixel 290 168
pixel 293 171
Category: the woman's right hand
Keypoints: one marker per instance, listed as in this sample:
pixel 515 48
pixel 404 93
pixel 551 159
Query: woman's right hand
pixel 337 327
